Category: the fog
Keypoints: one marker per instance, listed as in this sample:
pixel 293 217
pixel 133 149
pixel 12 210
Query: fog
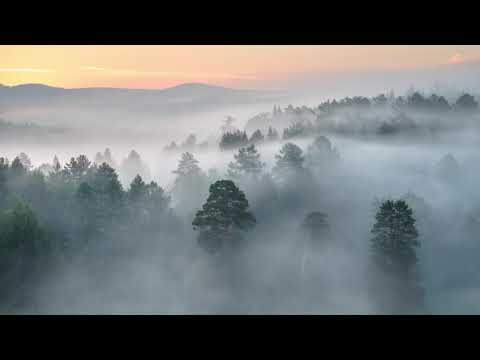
pixel 160 267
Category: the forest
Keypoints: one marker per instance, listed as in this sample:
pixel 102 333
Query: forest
pixel 361 205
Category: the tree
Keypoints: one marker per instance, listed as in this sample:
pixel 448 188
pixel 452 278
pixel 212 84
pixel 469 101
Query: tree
pixel 316 224
pixel 321 152
pixel 190 142
pixel 233 140
pixel 247 162
pixel 56 164
pixel 289 161
pixel 227 125
pixel 3 176
pixel 105 182
pixel 272 134
pixel 147 201
pixel 296 129
pixel 448 168
pixel 223 217
pixel 318 230
pixel 24 243
pixel 394 243
pixel 190 185
pixel 106 157
pixel 466 102
pixel 17 168
pixel 171 147
pixel 25 160
pixel 438 103
pixel 257 137
pixel 77 169
pixel 187 166
pixel 380 100
pixel 138 189
pixel 132 166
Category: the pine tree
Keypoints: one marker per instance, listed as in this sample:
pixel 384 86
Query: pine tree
pixel 77 169
pixel 394 243
pixel 190 185
pixel 223 217
pixel 272 134
pixel 187 166
pixel 247 162
pixel 257 137
pixel 17 169
pixel 289 161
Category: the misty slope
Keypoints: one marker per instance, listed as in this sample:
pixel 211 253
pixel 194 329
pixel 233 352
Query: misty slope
pixel 202 95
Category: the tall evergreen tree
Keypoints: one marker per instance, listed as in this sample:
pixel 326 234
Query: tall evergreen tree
pixel 77 169
pixel 190 185
pixel 247 163
pixel 257 137
pixel 272 134
pixel 289 160
pixel 223 217
pixel 394 243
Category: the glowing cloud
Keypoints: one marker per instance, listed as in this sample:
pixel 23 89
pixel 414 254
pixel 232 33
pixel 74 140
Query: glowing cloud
pixel 456 59
pixel 28 70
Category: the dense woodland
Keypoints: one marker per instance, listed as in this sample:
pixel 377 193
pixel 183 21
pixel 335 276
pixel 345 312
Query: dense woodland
pixel 250 238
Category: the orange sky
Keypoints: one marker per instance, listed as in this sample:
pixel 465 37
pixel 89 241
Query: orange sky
pixel 235 66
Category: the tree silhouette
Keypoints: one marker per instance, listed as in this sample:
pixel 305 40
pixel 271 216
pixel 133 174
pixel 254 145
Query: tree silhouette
pixel 247 163
pixel 394 243
pixel 223 217
pixel 257 137
pixel 466 102
pixel 289 160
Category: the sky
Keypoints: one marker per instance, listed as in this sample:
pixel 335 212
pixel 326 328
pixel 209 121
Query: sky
pixel 252 67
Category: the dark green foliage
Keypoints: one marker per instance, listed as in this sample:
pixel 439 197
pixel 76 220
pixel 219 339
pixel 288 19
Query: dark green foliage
pixel 20 231
pixel 77 169
pixel 394 243
pixel 25 250
pixel 225 213
pixel 233 140
pixel 395 236
pixel 105 182
pixel 147 202
pixel 289 161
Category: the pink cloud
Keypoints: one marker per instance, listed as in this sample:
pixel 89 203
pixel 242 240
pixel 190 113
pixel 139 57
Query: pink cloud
pixel 456 59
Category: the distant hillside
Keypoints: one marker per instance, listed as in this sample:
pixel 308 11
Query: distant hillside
pixel 193 94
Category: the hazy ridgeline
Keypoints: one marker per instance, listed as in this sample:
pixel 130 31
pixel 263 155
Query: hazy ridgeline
pixel 77 239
